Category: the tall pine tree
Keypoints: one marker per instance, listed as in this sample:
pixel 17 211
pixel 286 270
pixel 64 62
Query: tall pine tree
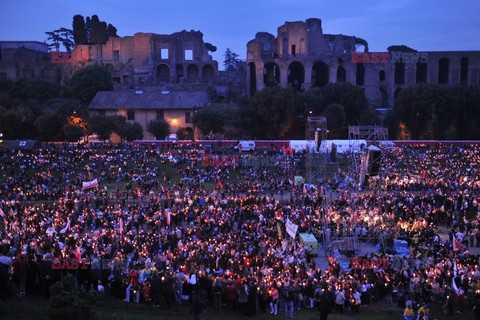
pixel 80 34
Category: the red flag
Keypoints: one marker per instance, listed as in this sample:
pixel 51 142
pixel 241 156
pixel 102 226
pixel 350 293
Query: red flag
pixel 77 254
pixel 168 217
pixel 457 246
pixel 90 184
pixel 219 184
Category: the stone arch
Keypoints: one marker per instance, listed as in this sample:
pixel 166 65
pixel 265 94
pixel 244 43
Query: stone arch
pixel 443 70
pixel 421 73
pixel 399 73
pixel 192 73
pixel 207 73
pixel 253 78
pixel 360 74
pixel 296 75
pixel 341 74
pixel 163 73
pixel 384 98
pixel 360 47
pixel 381 75
pixel 464 62
pixel 179 74
pixel 271 74
pixel 320 74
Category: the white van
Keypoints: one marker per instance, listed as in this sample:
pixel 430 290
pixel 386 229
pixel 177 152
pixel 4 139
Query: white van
pixel 171 137
pixel 245 145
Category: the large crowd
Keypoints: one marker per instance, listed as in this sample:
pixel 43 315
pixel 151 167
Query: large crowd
pixel 163 229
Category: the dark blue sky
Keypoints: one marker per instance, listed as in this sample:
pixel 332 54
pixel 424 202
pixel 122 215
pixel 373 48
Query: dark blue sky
pixel 433 25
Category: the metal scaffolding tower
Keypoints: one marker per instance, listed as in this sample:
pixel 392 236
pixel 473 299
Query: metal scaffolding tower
pixel 316 160
pixel 359 137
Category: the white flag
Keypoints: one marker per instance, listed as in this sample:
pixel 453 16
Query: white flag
pixel 291 228
pixel 90 184
pixel 66 227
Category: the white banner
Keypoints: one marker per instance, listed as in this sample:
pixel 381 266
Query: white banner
pixel 291 228
pixel 90 184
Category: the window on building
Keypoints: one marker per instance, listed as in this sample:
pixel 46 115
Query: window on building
pixel 421 72
pixel 101 112
pixel 188 54
pixel 160 114
pixel 116 55
pixel 130 114
pixel 116 79
pixel 126 79
pixel 140 80
pixel 360 74
pixel 399 73
pixel 188 118
pixel 164 54
pixel 443 70
pixel 294 50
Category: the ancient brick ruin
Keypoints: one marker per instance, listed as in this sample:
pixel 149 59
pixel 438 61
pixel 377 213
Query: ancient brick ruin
pixel 300 55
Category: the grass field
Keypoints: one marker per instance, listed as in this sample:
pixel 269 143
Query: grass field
pixel 35 308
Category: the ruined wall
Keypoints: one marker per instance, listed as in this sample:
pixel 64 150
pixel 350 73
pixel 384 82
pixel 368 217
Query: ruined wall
pixel 305 58
pixel 152 59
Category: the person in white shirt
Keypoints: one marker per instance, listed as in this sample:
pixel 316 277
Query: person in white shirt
pixel 357 301
pixel 340 300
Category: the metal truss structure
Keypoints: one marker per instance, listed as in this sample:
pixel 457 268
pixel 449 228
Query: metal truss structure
pixel 316 162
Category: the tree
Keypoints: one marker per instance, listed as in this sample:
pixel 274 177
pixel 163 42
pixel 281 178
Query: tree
pixel 159 128
pixel 369 117
pixel 414 107
pixel 231 60
pixel 111 31
pixel 55 38
pixel 68 301
pixel 98 32
pixel 95 32
pixel 62 36
pixel 102 125
pixel 80 34
pixel 209 121
pixel 351 97
pixel 335 114
pixel 87 81
pixel 66 38
pixel 35 89
pixel 49 126
pixel 73 133
pixel 184 134
pixel 17 123
pixel 131 131
pixel 275 108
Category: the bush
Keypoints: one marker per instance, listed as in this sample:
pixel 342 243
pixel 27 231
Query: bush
pixel 70 303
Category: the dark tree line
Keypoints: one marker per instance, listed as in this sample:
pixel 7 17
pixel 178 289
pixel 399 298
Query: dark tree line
pixel 91 30
pixel 430 111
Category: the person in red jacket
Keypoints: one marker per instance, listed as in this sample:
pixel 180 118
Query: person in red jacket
pixel 133 284
pixel 20 269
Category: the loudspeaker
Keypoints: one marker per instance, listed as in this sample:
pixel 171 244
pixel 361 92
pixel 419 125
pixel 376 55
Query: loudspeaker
pixel 374 158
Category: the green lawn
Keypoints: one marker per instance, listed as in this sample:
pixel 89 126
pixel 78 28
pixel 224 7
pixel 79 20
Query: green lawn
pixel 34 308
